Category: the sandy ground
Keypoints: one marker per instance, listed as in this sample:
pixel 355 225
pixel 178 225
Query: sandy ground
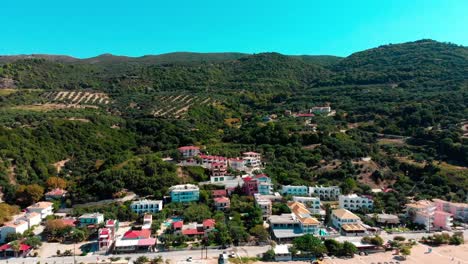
pixel 439 255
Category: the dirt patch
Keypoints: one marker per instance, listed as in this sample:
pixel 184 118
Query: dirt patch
pixel 60 164
pixel 310 147
pixel 11 172
pixel 367 168
pixel 391 141
pixel 5 92
pixel 7 83
pixel 84 120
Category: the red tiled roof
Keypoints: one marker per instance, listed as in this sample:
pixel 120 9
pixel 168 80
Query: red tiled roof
pixel 178 224
pixel 110 222
pixel 189 148
pixel 263 175
pixel 23 247
pixel 212 157
pixel 221 200
pixel 209 222
pixel 147 242
pixel 218 192
pixel 247 179
pixel 104 231
pixel 305 115
pixel 69 221
pixel 56 192
pixel 192 231
pixel 135 234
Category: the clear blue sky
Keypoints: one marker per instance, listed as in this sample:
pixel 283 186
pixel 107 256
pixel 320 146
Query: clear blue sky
pixel 85 28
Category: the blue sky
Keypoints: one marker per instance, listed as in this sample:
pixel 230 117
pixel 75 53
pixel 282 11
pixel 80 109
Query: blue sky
pixel 84 28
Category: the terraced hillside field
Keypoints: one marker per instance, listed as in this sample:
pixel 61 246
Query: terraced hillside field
pixel 177 105
pixel 77 98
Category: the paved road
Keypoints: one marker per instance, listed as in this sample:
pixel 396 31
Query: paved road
pixel 175 256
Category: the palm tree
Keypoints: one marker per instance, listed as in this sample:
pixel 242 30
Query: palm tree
pixel 157 260
pixel 15 245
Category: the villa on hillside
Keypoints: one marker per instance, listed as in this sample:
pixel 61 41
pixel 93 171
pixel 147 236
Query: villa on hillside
pixel 347 223
pixel 426 213
pixel 189 151
pixel 147 206
pixel 184 193
pixel 354 202
pixel 43 208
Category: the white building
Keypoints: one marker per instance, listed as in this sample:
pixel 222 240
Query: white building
pixel 355 202
pixel 184 193
pixel 347 222
pixel 12 227
pixel 146 206
pixel 320 110
pixel 252 160
pixel 33 219
pixel 299 190
pixel 43 208
pixel 264 204
pixel 237 164
pixel 189 151
pixel 325 192
pixel 282 253
pixel 312 203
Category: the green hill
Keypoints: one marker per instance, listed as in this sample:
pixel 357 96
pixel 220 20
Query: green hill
pixel 423 59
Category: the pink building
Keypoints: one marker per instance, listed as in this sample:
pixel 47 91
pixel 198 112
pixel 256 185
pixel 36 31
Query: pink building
pixel 189 151
pixel 458 210
pixel 443 220
pixel 106 235
pixel 426 213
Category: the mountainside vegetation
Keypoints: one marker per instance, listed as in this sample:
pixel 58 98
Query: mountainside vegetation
pixel 403 105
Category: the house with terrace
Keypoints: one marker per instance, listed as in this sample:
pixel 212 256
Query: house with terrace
pixel 312 203
pixel 91 220
pixel 347 223
pixel 355 202
pixel 459 211
pixel 184 193
pixel 296 190
pixel 222 203
pixel 147 206
pixel 135 241
pixel 425 213
pixel 194 229
pixel 107 235
pixel 325 193
pixel 299 222
pixel 55 194
pixel 43 208
pixel 189 151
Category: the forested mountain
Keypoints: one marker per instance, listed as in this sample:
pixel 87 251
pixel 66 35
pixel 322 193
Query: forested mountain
pixel 112 118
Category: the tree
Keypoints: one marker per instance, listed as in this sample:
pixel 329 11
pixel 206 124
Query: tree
pixel 196 213
pixel 15 245
pixel 33 241
pixel 269 255
pixel 259 232
pixel 310 244
pixel 7 211
pixel 157 260
pixel 141 260
pixel 333 247
pixel 56 182
pixel 78 235
pixel 29 194
pixel 349 249
pixel 405 251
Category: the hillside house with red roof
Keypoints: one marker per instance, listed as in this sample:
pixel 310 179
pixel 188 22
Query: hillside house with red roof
pixel 189 151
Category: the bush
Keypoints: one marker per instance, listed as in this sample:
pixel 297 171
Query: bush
pixel 399 238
